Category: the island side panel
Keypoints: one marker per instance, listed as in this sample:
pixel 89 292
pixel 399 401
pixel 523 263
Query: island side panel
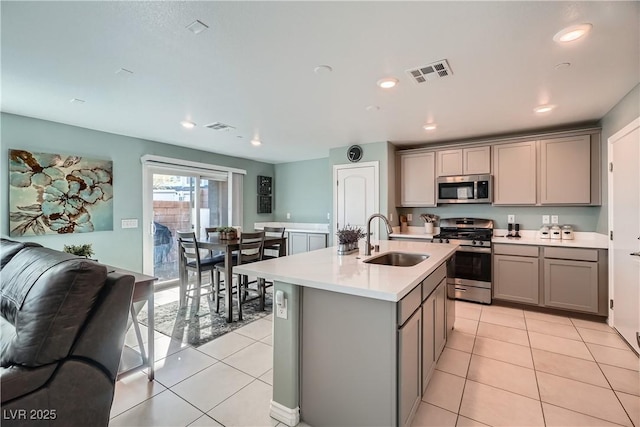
pixel 348 360
pixel 286 352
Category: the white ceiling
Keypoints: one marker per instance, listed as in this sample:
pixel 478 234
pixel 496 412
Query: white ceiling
pixel 254 69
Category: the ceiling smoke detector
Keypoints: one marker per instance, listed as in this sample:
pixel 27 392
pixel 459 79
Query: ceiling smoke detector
pixel 431 71
pixel 219 126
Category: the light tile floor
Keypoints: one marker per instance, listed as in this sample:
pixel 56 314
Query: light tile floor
pixel 501 367
pixel 511 367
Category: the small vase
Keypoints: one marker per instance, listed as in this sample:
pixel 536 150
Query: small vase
pixel 428 227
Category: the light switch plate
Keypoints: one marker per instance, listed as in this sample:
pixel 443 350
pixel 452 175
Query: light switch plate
pixel 288 215
pixel 511 219
pixel 554 219
pixel 545 219
pixel 130 223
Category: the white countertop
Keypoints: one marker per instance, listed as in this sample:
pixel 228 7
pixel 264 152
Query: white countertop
pixel 582 239
pixel 296 227
pixel 348 274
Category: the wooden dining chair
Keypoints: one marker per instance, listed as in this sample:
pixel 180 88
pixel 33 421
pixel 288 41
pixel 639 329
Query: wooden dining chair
pixel 191 260
pixel 251 247
pixel 273 250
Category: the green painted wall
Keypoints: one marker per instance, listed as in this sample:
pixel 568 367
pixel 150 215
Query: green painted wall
pixel 121 247
pixel 303 189
pixel 623 113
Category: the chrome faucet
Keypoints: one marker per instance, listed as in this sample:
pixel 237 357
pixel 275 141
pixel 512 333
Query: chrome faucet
pixel 368 247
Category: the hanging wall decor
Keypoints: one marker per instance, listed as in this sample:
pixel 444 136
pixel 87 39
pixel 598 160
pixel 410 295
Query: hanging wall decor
pixel 59 194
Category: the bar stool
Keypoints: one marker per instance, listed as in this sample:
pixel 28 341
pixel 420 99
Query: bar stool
pixel 190 260
pixel 273 232
pixel 250 250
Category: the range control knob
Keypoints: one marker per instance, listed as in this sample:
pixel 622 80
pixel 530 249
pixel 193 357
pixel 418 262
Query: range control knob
pixel 441 240
pixel 480 243
pixel 473 242
pixel 446 240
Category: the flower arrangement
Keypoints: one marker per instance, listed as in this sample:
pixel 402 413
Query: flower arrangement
pixel 80 250
pixel 348 239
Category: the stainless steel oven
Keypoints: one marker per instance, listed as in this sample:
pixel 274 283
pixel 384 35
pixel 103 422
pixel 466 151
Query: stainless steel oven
pixel 469 276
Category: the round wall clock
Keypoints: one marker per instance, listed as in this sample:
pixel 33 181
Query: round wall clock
pixel 354 154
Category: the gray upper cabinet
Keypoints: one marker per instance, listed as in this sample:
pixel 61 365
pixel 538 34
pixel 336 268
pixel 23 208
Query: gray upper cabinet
pixel 464 161
pixel 514 168
pixel 417 179
pixel 565 170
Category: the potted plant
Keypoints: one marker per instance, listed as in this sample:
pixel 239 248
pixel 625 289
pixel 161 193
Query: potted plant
pixel 348 239
pixel 80 250
pixel 227 233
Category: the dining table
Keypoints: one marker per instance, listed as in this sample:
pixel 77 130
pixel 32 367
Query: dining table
pixel 213 242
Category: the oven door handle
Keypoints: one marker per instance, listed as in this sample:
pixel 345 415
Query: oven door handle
pixel 473 249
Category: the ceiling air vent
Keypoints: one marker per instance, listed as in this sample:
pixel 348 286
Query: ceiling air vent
pixel 219 126
pixel 431 71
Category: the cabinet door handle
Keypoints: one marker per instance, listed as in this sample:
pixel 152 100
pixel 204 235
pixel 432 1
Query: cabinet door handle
pixel 638 338
pixel 635 254
pixel 461 289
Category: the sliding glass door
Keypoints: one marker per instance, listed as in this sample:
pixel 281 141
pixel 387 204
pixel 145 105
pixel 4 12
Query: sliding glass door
pixel 180 200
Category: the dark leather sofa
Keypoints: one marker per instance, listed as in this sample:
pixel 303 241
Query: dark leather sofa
pixel 62 326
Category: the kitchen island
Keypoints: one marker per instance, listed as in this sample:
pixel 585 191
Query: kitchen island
pixel 359 340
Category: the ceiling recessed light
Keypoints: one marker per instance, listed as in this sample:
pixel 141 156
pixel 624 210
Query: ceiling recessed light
pixel 323 69
pixel 572 33
pixel 187 124
pixel 541 109
pixel 196 27
pixel 372 108
pixel 388 82
pixel 256 142
pixel 77 101
pixel 429 126
pixel 124 73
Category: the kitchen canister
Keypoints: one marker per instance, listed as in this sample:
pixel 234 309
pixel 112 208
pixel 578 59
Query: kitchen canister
pixel 544 232
pixel 567 232
pixel 555 232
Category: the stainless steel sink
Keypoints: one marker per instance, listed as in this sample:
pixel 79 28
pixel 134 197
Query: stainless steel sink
pixel 397 259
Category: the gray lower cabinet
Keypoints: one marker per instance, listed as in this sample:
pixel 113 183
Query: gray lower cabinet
pixel 440 318
pixel 515 273
pixel 571 285
pixel 305 242
pixel 428 340
pixel 409 348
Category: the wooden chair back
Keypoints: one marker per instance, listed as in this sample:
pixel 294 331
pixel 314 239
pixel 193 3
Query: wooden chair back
pixel 251 247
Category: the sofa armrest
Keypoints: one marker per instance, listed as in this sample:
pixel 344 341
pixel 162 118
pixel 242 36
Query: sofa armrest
pixel 105 331
pixel 16 381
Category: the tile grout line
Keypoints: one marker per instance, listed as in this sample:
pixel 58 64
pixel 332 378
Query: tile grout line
pixel 535 373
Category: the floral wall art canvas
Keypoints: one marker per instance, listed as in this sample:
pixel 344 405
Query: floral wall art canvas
pixel 59 194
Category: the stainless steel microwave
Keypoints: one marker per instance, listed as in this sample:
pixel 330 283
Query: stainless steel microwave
pixel 465 189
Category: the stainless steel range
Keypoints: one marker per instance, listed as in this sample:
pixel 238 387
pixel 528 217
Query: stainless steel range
pixel 469 276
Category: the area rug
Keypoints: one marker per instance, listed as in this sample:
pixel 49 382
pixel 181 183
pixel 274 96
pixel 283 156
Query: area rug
pixel 180 324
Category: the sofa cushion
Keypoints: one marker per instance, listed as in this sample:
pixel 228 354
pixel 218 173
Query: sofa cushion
pixel 8 248
pixel 46 295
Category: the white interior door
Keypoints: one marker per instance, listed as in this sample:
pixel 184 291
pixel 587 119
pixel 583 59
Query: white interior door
pixel 624 218
pixel 356 194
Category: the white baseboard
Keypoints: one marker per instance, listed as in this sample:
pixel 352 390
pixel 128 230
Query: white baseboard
pixel 290 417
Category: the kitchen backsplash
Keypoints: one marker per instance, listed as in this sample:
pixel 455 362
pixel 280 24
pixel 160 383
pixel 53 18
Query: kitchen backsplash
pixel 529 217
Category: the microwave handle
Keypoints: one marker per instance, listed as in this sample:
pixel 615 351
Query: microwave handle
pixel 475 190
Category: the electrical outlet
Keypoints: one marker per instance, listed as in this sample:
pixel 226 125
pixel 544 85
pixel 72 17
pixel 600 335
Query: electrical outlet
pixel 554 219
pixel 409 217
pixel 281 312
pixel 545 219
pixel 328 215
pixel 511 219
pixel 288 215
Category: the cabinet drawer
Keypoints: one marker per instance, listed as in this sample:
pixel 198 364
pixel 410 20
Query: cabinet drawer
pixel 517 250
pixel 431 282
pixel 571 253
pixel 409 304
